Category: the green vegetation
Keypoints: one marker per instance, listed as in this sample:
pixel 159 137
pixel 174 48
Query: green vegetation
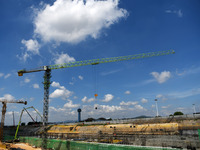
pixel 178 113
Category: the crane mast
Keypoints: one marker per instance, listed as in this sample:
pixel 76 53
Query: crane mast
pixel 47 76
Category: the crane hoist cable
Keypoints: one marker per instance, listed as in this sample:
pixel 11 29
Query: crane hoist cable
pixel 95 81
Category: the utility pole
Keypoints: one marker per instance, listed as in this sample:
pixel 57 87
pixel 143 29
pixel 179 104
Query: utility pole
pixel 156 107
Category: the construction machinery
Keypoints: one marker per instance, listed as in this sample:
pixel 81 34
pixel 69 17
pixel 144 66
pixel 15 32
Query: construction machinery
pixel 47 74
pixel 4 102
pixel 25 109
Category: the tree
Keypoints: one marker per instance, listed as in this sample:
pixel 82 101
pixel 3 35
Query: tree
pixel 178 113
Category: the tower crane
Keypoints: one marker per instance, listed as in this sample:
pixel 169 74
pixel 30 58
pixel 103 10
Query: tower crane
pixel 4 102
pixel 47 72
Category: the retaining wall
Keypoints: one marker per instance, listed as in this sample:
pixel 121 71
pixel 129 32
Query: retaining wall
pixel 74 145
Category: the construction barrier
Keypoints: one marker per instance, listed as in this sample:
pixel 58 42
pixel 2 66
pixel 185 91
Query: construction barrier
pixel 199 133
pixel 76 145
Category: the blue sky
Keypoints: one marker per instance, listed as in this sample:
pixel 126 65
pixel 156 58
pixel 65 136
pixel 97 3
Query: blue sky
pixel 35 33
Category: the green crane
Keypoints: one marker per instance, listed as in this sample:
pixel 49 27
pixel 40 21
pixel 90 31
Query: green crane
pixel 47 73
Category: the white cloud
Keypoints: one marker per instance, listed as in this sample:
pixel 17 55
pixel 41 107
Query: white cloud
pixel 7 76
pixel 128 103
pixel 63 58
pixel 91 100
pixel 61 92
pixel 110 72
pixel 127 92
pixel 1 75
pixel 161 77
pixel 186 93
pixel 80 77
pixel 36 86
pixel 86 100
pixel 71 83
pixel 7 97
pixel 188 71
pixel 24 56
pixel 31 46
pixel 71 105
pixel 107 98
pixel 107 108
pixel 179 12
pixel 143 100
pixel 139 107
pixel 55 84
pixel 27 80
pixel 73 20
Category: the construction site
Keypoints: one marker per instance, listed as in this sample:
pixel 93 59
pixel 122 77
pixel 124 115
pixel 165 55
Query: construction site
pixel 173 132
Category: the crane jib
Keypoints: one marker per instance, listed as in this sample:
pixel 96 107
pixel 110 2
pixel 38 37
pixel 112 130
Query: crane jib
pixel 97 61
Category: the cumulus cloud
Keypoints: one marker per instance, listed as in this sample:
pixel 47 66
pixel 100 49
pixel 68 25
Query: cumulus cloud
pixel 71 105
pixel 143 100
pixel 128 103
pixel 36 86
pixel 31 46
pixel 139 107
pixel 73 20
pixel 55 84
pixel 108 98
pixel 161 77
pixel 7 97
pixel 127 92
pixel 61 92
pixel 86 100
pixel 63 58
pixel 107 108
pixel 80 77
